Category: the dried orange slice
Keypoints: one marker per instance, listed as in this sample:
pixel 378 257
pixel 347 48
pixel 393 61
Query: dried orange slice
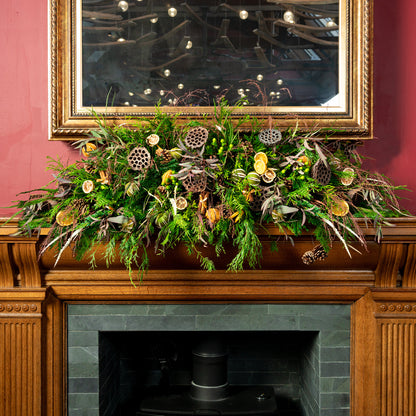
pixel 304 160
pixel 65 218
pixel 339 207
pixel 269 176
pixel 260 167
pixel 213 215
pixel 348 180
pixel 88 186
pixel 181 203
pixel 152 140
pixel 89 147
pixel 261 156
pixel 166 176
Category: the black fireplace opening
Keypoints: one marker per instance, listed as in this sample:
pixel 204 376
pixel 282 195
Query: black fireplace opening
pixel 158 373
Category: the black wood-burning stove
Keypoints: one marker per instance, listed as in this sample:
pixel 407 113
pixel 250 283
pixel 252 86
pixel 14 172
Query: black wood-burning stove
pixel 209 393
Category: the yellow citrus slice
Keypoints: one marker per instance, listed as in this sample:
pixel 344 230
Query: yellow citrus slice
pixel 89 147
pixel 260 167
pixel 261 156
pixel 339 207
pixel 64 218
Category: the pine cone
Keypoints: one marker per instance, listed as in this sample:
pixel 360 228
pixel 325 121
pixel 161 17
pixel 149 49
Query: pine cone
pixel 89 168
pixel 225 211
pixel 80 206
pixel 164 154
pixel 247 146
pixel 308 258
pixel 319 253
pixel 162 189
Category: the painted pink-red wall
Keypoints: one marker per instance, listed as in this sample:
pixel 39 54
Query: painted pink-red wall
pixel 24 98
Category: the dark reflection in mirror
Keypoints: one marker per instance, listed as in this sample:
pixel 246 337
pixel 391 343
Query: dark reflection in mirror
pixel 274 53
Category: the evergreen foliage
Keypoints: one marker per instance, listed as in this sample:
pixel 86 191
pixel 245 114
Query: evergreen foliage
pixel 211 195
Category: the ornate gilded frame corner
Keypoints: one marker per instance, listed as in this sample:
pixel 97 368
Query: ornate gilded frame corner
pixel 68 123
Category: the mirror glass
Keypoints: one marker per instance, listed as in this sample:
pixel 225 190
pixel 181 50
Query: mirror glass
pixel 138 53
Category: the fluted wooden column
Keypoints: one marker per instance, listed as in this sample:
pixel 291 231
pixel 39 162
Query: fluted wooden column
pixel 21 322
pixel 20 353
pixel 396 327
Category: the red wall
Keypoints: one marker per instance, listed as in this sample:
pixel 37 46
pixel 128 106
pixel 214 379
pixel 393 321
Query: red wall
pixel 24 97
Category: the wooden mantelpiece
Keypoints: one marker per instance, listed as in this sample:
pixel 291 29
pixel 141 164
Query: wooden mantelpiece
pixel 379 284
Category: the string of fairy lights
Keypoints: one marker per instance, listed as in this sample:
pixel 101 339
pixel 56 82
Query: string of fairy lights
pixel 124 7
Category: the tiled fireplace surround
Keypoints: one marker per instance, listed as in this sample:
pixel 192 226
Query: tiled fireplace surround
pixel 302 351
pixel 52 318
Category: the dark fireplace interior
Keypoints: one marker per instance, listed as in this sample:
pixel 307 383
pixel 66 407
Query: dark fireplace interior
pixel 144 373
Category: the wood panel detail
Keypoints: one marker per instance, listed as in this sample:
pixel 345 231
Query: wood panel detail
pixel 20 361
pixel 389 262
pixel 53 349
pixel 409 272
pixel 6 269
pixel 398 371
pixel 26 258
pixel 363 358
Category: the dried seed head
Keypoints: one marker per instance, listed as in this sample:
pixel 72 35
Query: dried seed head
pixel 196 137
pixel 258 199
pixel 139 158
pixel 270 137
pixel 321 173
pixel 195 183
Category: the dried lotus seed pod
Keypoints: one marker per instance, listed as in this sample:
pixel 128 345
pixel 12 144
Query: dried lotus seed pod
pixel 270 137
pixel 139 158
pixel 321 173
pixel 195 183
pixel 196 137
pixel 258 199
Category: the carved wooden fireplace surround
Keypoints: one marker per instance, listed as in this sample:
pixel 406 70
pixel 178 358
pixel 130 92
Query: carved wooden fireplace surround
pixel 380 285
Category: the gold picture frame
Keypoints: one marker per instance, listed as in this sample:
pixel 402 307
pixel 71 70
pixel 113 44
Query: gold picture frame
pixel 350 118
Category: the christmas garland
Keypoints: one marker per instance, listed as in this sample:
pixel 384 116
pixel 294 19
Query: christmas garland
pixel 204 183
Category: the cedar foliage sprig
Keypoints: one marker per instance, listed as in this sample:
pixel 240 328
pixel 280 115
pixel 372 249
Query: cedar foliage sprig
pixel 101 199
